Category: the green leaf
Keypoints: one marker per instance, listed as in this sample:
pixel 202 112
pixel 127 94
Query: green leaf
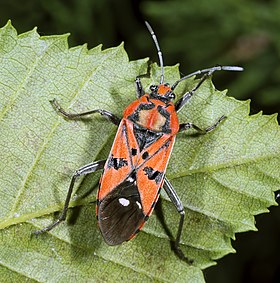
pixel 223 178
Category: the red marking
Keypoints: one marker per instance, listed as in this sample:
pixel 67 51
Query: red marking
pixel 163 89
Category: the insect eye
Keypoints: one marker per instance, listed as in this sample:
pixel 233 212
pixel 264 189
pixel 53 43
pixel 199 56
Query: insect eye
pixel 153 88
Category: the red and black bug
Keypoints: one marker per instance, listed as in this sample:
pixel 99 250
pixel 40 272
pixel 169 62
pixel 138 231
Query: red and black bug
pixel 134 171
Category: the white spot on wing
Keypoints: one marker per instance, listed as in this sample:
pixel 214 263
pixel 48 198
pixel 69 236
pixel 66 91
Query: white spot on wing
pixel 130 179
pixel 124 201
pixel 139 204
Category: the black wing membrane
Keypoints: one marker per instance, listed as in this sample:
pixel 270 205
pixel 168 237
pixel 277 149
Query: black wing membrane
pixel 120 214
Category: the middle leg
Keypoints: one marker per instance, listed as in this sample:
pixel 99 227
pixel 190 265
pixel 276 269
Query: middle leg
pixel 185 126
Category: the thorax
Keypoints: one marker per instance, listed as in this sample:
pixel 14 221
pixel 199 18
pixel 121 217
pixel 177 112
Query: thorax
pixel 153 114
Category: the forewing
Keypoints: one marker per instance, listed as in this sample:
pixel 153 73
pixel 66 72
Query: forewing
pixel 130 183
pixel 119 163
pixel 151 171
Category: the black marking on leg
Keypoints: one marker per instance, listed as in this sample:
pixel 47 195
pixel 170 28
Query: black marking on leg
pixel 152 174
pixel 116 163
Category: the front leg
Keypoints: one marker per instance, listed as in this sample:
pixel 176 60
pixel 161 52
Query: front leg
pixel 138 84
pixel 139 88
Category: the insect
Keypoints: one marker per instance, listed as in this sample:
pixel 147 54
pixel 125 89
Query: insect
pixel 134 171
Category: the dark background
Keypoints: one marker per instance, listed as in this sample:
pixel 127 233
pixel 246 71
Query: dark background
pixel 196 34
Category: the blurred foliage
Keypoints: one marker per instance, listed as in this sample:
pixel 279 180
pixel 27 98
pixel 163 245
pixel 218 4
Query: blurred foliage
pixel 196 34
pixel 203 33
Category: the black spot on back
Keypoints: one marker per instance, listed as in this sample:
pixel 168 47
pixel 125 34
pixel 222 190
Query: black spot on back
pixel 116 163
pixel 145 155
pixel 153 174
pixel 142 106
pixel 166 127
pixel 133 151
pixel 145 137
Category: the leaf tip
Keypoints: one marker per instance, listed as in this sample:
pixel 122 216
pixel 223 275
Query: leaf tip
pixel 8 25
pixel 274 117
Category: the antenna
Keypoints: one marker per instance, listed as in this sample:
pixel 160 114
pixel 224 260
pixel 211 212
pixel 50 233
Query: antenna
pixel 208 72
pixel 158 51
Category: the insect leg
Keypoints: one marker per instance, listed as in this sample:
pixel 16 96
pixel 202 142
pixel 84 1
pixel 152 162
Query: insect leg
pixel 185 126
pixel 113 118
pixel 183 100
pixel 138 84
pixel 87 169
pixel 139 88
pixel 179 206
pixel 207 73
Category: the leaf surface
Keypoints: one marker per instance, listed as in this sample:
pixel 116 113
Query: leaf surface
pixel 223 178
